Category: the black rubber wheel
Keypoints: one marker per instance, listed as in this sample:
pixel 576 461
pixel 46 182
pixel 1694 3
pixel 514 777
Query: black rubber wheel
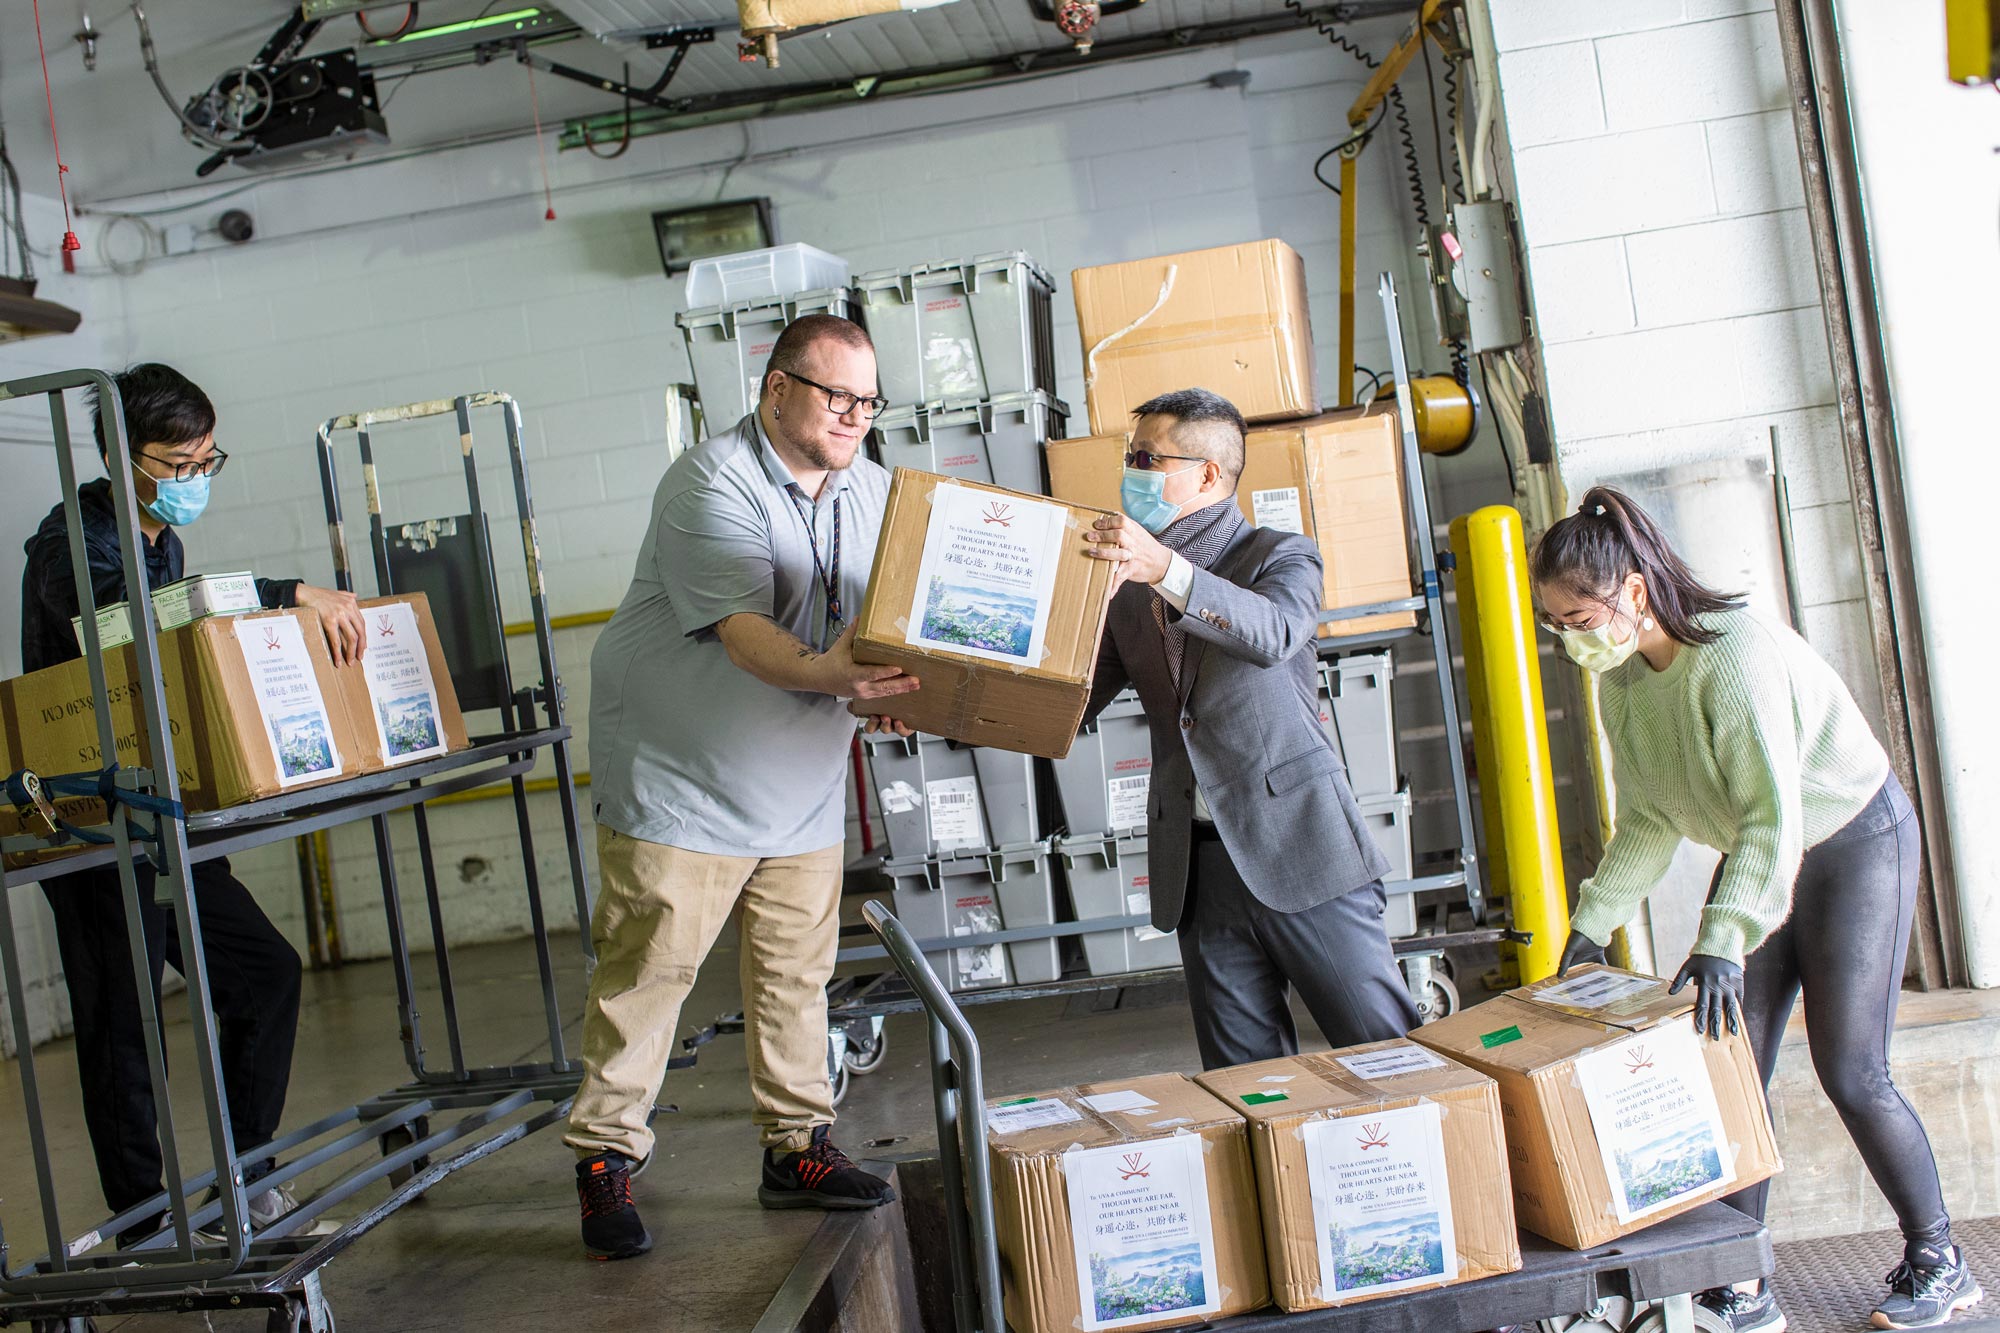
pixel 840 1082
pixel 864 1059
pixel 401 1137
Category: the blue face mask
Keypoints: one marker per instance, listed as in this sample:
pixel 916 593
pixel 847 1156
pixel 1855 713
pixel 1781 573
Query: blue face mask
pixel 1142 495
pixel 179 503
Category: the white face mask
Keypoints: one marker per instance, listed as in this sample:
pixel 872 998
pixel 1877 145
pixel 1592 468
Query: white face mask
pixel 1597 649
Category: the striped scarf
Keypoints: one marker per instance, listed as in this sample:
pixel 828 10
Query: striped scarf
pixel 1198 539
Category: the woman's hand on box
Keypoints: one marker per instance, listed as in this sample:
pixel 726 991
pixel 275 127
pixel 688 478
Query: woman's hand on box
pixel 1718 993
pixel 340 616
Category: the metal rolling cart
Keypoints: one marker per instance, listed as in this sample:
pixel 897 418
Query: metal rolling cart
pixel 389 1138
pixel 1643 1283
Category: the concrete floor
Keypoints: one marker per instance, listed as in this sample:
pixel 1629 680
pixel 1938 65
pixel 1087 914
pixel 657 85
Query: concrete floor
pixel 495 1246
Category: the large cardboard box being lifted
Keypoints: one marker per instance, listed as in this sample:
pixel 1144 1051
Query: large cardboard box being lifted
pixel 254 709
pixel 1337 478
pixel 1116 1199
pixel 1618 1114
pixel 1380 1170
pixel 1232 319
pixel 400 693
pixel 988 598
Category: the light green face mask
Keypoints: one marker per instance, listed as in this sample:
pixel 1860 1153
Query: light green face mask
pixel 1597 649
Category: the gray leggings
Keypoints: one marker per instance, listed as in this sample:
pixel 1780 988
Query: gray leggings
pixel 1844 947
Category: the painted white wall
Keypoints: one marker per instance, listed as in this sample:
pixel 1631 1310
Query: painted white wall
pixel 1930 156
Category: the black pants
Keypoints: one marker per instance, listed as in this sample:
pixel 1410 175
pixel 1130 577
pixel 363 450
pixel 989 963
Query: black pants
pixel 1843 947
pixel 1239 956
pixel 253 973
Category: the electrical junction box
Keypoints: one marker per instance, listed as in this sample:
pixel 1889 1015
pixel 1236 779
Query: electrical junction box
pixel 1485 274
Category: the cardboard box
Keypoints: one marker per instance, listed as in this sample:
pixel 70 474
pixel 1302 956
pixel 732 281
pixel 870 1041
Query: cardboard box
pixel 987 597
pixel 253 708
pixel 200 595
pixel 1378 1171
pixel 1337 478
pixel 1139 1192
pixel 1603 1079
pixel 114 626
pixel 400 694
pixel 1233 320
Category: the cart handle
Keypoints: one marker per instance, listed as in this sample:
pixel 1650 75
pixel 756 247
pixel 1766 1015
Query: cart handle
pixel 958 1093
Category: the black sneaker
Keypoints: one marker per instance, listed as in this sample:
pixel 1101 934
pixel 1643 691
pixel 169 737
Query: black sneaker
pixel 611 1225
pixel 1745 1312
pixel 1922 1296
pixel 821 1176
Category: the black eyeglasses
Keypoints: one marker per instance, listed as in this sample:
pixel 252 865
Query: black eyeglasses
pixel 1143 459
pixel 207 467
pixel 840 402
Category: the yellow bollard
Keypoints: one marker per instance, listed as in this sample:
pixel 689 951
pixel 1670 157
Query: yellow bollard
pixel 1510 732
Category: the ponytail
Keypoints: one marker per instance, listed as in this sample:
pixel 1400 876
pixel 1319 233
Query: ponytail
pixel 1592 552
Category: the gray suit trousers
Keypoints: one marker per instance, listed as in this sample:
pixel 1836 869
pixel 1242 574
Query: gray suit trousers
pixel 1240 955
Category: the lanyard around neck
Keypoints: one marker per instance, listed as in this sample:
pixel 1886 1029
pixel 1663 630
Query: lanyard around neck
pixel 828 573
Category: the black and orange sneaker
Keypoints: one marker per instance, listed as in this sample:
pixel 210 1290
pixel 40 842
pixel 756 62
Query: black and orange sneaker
pixel 611 1225
pixel 819 1176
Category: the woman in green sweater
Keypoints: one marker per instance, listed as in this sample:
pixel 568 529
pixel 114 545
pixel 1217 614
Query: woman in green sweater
pixel 1727 729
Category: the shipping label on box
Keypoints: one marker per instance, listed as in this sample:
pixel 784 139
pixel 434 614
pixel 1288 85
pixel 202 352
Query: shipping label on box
pixel 401 691
pixel 987 574
pixel 1652 1110
pixel 285 688
pixel 1139 1232
pixel 1381 1201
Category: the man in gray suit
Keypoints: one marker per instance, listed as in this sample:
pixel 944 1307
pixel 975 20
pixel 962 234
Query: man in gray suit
pixel 1260 859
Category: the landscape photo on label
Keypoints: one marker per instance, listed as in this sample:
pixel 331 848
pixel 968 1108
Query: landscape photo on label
pixel 974 617
pixel 303 744
pixel 1149 1282
pixel 409 724
pixel 1398 1249
pixel 1675 1164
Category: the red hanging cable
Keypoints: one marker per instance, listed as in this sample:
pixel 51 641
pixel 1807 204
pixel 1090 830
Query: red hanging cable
pixel 69 241
pixel 547 195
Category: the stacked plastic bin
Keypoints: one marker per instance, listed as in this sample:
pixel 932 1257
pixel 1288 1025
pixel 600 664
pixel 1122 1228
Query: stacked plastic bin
pixel 963 855
pixel 967 358
pixel 1358 711
pixel 1105 787
pixel 738 305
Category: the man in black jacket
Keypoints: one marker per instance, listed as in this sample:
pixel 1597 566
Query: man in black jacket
pixel 253 972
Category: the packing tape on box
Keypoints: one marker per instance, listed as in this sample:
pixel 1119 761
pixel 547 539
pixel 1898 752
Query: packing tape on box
pixel 1166 290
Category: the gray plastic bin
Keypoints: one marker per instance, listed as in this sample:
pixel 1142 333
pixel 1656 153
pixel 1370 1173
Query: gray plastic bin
pixel 936 798
pixel 963 894
pixel 1388 818
pixel 1364 713
pixel 728 346
pixel 997 442
pixel 1108 878
pixel 1105 779
pixel 976 330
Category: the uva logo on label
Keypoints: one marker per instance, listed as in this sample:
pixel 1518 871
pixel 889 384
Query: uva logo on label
pixel 1372 1137
pixel 271 641
pixel 1637 1059
pixel 1136 1167
pixel 998 513
pixel 385 627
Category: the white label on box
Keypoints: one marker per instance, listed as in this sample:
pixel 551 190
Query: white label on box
pixel 1126 798
pixel 1658 1128
pixel 899 798
pixel 1594 990
pixel 1147 934
pixel 1381 1201
pixel 987 579
pixel 1391 1063
pixel 1277 1078
pixel 1138 904
pixel 956 820
pixel 286 689
pixel 408 721
pixel 1139 1223
pixel 951 365
pixel 202 595
pixel 978 914
pixel 1125 1099
pixel 1279 509
pixel 1029 1113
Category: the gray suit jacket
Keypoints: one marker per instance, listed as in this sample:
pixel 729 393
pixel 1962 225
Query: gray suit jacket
pixel 1245 725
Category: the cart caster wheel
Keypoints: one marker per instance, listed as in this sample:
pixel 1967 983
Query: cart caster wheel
pixel 867 1056
pixel 293 1318
pixel 1439 999
pixel 840 1082
pixel 1654 1320
pixel 401 1137
pixel 83 1325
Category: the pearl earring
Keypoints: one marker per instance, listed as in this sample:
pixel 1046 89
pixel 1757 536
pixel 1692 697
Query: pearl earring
pixel 1647 622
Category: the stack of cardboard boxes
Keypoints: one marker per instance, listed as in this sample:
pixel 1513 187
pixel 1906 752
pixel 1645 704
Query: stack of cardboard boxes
pixel 255 708
pixel 1355 1175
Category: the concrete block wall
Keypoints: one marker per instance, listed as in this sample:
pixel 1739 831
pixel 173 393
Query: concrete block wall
pixel 429 276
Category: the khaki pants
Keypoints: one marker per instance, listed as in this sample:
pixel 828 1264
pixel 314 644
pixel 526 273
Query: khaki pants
pixel 659 910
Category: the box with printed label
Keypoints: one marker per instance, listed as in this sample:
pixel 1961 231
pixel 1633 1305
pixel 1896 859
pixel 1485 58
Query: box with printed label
pixel 1379 1170
pixel 1619 1114
pixel 253 709
pixel 1232 319
pixel 1337 478
pixel 400 693
pixel 200 595
pixel 989 598
pixel 1129 1204
pixel 114 627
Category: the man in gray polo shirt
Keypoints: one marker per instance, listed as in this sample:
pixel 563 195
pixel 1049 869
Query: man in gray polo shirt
pixel 719 739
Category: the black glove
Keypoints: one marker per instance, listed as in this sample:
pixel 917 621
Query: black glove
pixel 1580 949
pixel 1718 993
